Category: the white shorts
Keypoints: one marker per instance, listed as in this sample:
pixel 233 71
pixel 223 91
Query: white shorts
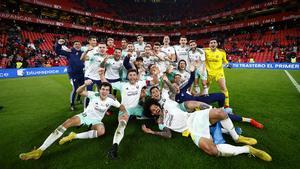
pixel 84 119
pixel 198 125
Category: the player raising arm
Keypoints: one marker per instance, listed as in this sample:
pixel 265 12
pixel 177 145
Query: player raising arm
pixel 100 102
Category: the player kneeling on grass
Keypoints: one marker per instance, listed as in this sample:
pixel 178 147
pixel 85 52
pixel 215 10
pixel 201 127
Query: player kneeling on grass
pixel 198 125
pixel 93 114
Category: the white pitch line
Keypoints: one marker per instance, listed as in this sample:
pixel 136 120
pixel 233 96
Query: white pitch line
pixel 293 80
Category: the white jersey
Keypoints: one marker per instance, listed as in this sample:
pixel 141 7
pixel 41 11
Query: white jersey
pixel 182 53
pixel 132 58
pixel 185 76
pixel 162 65
pixel 130 94
pixel 197 55
pixel 113 69
pixel 97 107
pixel 92 65
pixel 173 117
pixel 147 60
pixel 169 50
pixel 139 47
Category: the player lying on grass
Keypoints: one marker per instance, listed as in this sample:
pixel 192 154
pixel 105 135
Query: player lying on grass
pixel 183 97
pixel 92 116
pixel 197 124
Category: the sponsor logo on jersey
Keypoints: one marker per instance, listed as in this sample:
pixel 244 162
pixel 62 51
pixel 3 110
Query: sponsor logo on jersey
pixel 132 93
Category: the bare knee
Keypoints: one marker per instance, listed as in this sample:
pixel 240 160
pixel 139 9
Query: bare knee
pixel 210 149
pixel 100 132
pixel 67 123
pixel 221 114
pixel 190 106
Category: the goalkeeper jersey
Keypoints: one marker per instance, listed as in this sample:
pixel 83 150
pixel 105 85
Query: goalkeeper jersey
pixel 214 61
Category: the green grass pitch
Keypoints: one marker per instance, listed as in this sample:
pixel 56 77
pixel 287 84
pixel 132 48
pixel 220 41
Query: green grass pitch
pixel 35 106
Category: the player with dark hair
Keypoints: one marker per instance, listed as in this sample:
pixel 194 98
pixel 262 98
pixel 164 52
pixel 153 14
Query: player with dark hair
pixel 215 60
pixel 92 116
pixel 93 55
pixel 75 67
pixel 197 124
pixel 130 96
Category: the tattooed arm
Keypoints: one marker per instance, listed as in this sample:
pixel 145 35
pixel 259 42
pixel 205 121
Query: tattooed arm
pixel 165 133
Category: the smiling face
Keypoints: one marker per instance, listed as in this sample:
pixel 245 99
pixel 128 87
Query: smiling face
pixel 193 45
pixel 102 48
pixel 140 39
pixel 130 47
pixel 104 91
pixel 213 44
pixel 154 70
pixel 132 77
pixel 182 65
pixel 182 41
pixel 93 42
pixel 124 44
pixel 147 50
pixel 110 42
pixel 155 110
pixel 117 54
pixel 177 79
pixel 77 45
pixel 155 94
pixel 166 40
pixel 156 48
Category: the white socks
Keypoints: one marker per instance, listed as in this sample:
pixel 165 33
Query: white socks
pixel 227 124
pixel 88 134
pixel 119 132
pixel 58 132
pixel 227 150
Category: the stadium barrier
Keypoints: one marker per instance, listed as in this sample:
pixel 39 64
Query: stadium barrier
pixel 27 72
pixel 283 66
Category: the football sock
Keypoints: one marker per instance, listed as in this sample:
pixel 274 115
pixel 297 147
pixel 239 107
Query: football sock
pixel 58 132
pixel 227 124
pixel 119 132
pixel 227 150
pixel 88 134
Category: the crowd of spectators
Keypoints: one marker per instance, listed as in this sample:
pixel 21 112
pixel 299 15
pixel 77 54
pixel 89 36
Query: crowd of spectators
pixel 21 53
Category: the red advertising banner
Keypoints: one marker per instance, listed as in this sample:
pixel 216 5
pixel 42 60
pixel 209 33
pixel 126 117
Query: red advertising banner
pixel 252 22
pixel 224 14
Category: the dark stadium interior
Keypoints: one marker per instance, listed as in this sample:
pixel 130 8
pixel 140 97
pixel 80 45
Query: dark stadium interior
pixel 273 41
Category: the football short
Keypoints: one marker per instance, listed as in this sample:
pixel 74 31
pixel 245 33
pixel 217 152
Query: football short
pixel 202 75
pixel 134 111
pixel 215 77
pixel 182 107
pixel 84 119
pixel 198 125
